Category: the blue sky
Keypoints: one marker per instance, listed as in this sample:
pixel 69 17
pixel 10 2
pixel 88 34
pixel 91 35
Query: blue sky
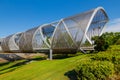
pixel 20 15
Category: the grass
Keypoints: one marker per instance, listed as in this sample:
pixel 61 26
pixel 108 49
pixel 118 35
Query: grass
pixel 57 69
pixel 8 67
pixel 44 70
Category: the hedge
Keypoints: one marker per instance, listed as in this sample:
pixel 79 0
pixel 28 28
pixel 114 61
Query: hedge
pixel 94 70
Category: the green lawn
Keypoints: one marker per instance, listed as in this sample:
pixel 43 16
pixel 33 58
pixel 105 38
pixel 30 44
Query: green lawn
pixel 44 70
pixel 59 69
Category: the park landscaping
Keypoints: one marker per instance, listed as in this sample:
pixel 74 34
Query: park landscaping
pixel 101 65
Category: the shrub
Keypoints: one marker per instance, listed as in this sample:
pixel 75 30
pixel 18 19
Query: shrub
pixel 117 65
pixel 94 70
pixel 117 69
pixel 100 43
pixel 118 42
pixel 102 57
pixel 113 57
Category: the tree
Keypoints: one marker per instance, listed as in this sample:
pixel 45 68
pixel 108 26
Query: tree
pixel 100 43
pixel 103 42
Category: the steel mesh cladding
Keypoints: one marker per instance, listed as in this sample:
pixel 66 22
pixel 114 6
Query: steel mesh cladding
pixel 10 43
pixel 66 35
pixel 0 44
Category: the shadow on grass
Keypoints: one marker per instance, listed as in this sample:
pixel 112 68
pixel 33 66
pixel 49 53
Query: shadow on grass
pixel 60 56
pixel 13 66
pixel 72 75
pixel 17 64
pixel 5 63
pixel 63 56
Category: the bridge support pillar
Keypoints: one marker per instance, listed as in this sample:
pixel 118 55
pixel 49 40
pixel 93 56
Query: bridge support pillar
pixel 50 54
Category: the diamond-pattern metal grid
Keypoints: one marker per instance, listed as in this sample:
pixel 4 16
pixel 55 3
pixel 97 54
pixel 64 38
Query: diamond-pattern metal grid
pixel 68 33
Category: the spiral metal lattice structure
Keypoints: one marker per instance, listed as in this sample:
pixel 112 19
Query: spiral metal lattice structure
pixel 66 35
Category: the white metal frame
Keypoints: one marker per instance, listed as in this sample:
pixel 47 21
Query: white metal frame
pixel 84 28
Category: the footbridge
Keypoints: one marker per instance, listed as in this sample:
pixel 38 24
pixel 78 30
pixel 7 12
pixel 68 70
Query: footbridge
pixel 68 35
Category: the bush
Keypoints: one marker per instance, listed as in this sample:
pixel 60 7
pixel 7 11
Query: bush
pixel 117 64
pixel 114 48
pixel 102 57
pixel 94 70
pixel 117 69
pixel 100 43
pixel 118 42
pixel 113 57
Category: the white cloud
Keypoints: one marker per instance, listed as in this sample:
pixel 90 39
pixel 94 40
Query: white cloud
pixel 113 26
